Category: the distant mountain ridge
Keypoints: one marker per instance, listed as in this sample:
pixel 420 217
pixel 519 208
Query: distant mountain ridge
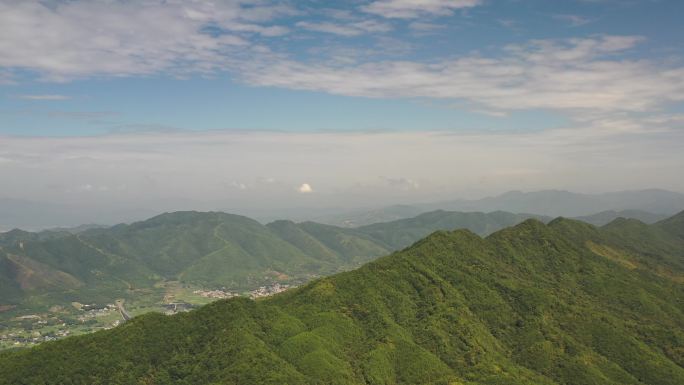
pixel 552 203
pixel 568 204
pixel 549 304
pixel 404 232
pixel 605 217
pixel 649 205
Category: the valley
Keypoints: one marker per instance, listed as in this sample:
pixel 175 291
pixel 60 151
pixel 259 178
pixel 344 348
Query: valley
pixel 22 328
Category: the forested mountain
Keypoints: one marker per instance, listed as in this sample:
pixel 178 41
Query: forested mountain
pixel 209 249
pixel 563 303
pixel 206 248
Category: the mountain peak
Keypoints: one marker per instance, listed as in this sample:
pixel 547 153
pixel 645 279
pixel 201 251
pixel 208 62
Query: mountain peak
pixel 183 217
pixel 622 222
pixel 531 224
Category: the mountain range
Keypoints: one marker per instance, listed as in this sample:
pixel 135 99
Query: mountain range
pixel 209 249
pixel 558 303
pixel 648 205
pixel 34 215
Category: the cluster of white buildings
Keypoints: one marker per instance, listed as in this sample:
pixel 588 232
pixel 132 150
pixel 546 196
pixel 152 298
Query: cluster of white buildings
pixel 218 294
pixel 18 339
pixel 265 291
pixel 97 312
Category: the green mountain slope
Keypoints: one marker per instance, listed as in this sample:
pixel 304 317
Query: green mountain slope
pixel 563 303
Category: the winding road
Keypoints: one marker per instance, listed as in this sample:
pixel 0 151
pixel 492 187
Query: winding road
pixel 124 314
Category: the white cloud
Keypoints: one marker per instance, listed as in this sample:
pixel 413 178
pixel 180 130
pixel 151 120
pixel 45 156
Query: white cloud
pixel 305 188
pixel 64 40
pixel 134 38
pixel 355 28
pixel 571 74
pixel 409 9
pixel 44 97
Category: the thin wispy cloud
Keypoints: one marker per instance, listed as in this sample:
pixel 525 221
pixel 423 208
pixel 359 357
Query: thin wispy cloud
pixel 346 29
pixel 116 38
pixel 570 74
pixel 139 39
pixel 43 97
pixel 410 9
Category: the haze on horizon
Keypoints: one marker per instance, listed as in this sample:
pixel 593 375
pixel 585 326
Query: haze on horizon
pixel 265 105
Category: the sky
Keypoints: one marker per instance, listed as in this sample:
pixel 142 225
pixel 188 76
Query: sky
pixel 268 105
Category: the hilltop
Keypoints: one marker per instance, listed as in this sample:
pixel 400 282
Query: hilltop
pixel 536 303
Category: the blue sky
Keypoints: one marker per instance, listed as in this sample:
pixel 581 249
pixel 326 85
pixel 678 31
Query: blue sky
pixel 530 94
pixel 95 103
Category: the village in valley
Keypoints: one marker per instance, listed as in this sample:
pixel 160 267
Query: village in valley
pixel 24 330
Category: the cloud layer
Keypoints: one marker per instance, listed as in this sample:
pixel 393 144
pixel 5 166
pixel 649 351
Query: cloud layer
pixel 76 39
pixel 571 74
pixel 65 40
pixel 265 170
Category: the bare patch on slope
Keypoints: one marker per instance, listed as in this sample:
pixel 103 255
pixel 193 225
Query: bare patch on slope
pixel 32 275
pixel 629 261
pixel 612 254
